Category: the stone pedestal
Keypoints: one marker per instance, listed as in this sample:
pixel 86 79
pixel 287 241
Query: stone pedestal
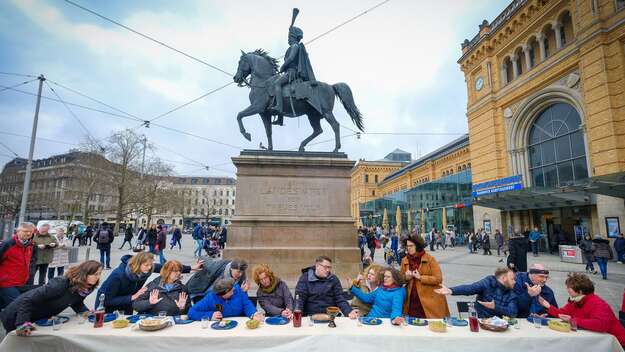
pixel 290 208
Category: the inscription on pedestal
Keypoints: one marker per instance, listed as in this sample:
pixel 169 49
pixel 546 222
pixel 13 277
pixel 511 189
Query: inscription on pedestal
pixel 292 198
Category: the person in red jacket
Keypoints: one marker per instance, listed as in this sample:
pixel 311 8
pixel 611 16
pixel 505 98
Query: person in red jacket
pixel 588 310
pixel 16 260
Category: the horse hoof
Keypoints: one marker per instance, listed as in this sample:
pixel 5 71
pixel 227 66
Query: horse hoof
pixel 247 136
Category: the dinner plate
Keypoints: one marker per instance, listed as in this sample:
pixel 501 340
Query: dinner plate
pixel 48 322
pixel 370 320
pixel 459 322
pixel 277 320
pixel 416 321
pixel 544 322
pixel 182 321
pixel 231 325
pixel 135 318
pixel 320 318
pixel 107 317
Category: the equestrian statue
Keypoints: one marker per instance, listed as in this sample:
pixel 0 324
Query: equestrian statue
pixel 291 91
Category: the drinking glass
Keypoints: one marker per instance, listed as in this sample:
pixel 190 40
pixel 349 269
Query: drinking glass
pixel 82 318
pixel 311 322
pixel 204 323
pixel 538 322
pixel 56 323
pixel 573 325
pixel 162 314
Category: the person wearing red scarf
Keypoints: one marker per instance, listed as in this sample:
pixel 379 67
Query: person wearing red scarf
pixel 588 310
pixel 422 275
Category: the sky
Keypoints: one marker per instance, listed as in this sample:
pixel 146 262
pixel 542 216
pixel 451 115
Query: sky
pixel 399 59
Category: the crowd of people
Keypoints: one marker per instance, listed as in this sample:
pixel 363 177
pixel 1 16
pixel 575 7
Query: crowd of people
pixel 219 288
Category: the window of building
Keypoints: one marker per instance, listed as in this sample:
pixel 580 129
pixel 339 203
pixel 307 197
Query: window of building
pixel 556 147
pixel 619 4
pixel 366 178
pixel 376 178
pixel 373 192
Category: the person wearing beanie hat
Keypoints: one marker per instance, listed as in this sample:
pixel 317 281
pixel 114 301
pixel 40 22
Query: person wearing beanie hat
pixel 225 299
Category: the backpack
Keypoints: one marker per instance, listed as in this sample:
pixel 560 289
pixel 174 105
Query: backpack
pixel 103 236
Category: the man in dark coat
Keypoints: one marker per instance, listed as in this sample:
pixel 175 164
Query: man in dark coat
pixel 318 289
pixel 128 235
pixel 104 237
pixel 202 281
pixel 528 287
pixel 517 257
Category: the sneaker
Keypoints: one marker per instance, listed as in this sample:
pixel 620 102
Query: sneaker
pixel 595 272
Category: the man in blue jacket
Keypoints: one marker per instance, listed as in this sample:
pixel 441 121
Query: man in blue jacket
pixel 318 289
pixel 225 299
pixel 529 286
pixel 534 238
pixel 495 294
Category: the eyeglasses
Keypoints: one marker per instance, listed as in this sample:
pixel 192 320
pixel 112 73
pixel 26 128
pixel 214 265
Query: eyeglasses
pixel 327 267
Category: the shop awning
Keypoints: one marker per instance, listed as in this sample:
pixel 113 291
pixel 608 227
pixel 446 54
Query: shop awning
pixel 612 185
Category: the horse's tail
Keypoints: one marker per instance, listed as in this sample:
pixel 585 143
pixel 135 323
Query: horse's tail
pixel 344 94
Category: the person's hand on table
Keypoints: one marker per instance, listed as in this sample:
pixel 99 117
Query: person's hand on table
pixel 565 317
pixel 353 314
pixel 217 316
pixel 258 316
pixel 138 293
pixel 398 321
pixel 489 305
pixel 543 302
pixel 444 290
pixel 287 313
pixel 24 329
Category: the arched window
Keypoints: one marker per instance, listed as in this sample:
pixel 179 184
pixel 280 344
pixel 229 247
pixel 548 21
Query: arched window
pixel 556 147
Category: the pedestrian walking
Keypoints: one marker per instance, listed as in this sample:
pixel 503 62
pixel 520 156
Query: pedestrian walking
pixel 586 246
pixel 73 234
pixel 176 236
pixel 151 238
pixel 534 238
pixel 486 244
pixel 517 257
pixel 499 240
pixel 104 237
pixel 603 253
pixel 141 237
pixel 198 236
pixel 128 235
pixel 161 243
pixel 89 234
pixel 619 248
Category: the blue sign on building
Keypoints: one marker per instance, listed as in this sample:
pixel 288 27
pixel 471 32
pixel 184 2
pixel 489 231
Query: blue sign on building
pixel 512 183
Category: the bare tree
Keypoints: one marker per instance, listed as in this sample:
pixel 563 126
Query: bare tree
pixel 157 194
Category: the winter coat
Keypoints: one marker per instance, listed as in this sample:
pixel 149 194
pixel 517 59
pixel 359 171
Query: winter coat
pixel 17 261
pixel 197 233
pixel 486 242
pixel 594 314
pixel 517 256
pixel 177 234
pixel 104 244
pixel 499 239
pixel 527 304
pixel 316 294
pixel 151 237
pixel 275 302
pixel 619 245
pixel 120 285
pixel 363 308
pixel 168 301
pixel 601 248
pixel 489 289
pixel 534 236
pixel 223 237
pixel 161 240
pixel 386 302
pixel 44 256
pixel 202 281
pixel 434 305
pixel 128 235
pixel 61 253
pixel 586 246
pixel 239 305
pixel 42 303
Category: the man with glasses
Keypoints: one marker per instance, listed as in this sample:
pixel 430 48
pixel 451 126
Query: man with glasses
pixel 531 285
pixel 318 289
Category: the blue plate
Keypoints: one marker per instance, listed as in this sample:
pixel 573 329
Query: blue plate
pixel 107 317
pixel 370 320
pixel 231 325
pixel 277 320
pixel 135 318
pixel 458 322
pixel 48 322
pixel 413 321
pixel 544 322
pixel 182 321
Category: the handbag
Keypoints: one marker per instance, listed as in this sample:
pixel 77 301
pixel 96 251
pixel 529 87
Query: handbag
pixel 139 247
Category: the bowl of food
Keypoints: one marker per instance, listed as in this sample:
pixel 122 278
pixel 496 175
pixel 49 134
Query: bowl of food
pixel 184 317
pixel 252 324
pixel 437 326
pixel 559 325
pixel 153 324
pixel 120 323
pixel 494 324
pixel 320 318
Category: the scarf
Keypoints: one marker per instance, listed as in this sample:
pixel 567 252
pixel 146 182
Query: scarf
pixel 85 292
pixel 136 277
pixel 414 260
pixel 169 287
pixel 272 286
pixel 391 286
pixel 576 299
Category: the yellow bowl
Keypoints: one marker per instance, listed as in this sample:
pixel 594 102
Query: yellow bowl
pixel 120 323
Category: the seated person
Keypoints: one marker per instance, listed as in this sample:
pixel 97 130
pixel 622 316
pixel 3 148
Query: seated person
pixel 367 282
pixel 528 287
pixel 52 298
pixel 273 294
pixel 495 294
pixel 225 299
pixel 585 308
pixel 318 289
pixel 388 299
pixel 125 284
pixel 202 281
pixel 165 293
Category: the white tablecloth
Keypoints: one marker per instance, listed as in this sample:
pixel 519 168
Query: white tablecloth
pixel 347 336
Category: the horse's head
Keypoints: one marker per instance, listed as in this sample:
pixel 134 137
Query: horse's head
pixel 244 69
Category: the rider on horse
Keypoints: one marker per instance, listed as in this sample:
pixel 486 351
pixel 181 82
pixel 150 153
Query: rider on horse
pixel 296 67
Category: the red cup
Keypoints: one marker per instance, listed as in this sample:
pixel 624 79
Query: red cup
pixel 473 324
pixel 297 318
pixel 99 319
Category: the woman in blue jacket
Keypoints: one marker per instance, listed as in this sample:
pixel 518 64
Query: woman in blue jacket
pixel 388 299
pixel 225 300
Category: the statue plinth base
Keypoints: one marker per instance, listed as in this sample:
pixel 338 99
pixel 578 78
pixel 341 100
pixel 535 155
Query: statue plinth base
pixel 292 207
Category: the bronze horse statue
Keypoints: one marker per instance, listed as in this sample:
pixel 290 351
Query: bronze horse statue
pixel 264 71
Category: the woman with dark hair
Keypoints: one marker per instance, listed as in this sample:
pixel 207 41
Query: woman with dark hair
pixel 51 299
pixel 422 275
pixel 586 309
pixel 387 300
pixel 165 293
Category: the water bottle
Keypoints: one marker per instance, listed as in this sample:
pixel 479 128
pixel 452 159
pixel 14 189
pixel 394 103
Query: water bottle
pixel 297 313
pixel 473 323
pixel 98 322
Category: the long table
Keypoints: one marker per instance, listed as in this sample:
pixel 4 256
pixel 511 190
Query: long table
pixel 347 336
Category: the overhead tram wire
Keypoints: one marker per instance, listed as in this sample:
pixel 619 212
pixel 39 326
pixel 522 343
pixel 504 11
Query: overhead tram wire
pixel 16 85
pixel 9 149
pixel 37 138
pixel 17 74
pixel 149 38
